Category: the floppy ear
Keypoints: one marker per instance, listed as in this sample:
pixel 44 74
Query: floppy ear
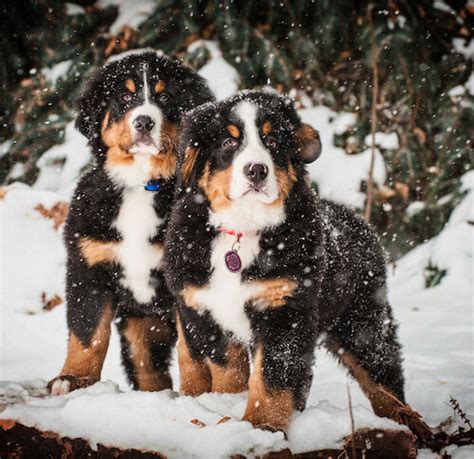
pixel 91 106
pixel 309 143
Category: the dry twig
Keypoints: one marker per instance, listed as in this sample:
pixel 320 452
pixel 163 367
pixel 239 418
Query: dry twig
pixel 351 414
pixel 373 116
pixel 457 408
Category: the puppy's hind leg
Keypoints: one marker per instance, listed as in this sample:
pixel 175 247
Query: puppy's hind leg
pixel 147 342
pixel 365 341
pixel 232 375
pixel 194 374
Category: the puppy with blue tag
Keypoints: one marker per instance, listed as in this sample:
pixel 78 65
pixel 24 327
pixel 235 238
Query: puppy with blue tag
pixel 130 111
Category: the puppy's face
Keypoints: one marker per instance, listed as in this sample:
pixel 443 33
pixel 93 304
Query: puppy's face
pixel 247 149
pixel 132 106
pixel 137 112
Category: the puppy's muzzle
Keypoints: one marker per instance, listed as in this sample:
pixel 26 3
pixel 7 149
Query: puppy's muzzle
pixel 256 173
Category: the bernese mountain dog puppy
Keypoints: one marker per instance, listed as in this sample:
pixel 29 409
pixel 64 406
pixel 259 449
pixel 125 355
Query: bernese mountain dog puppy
pixel 259 263
pixel 130 111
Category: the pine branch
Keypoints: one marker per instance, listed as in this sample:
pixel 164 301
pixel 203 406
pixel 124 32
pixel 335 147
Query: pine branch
pixel 444 145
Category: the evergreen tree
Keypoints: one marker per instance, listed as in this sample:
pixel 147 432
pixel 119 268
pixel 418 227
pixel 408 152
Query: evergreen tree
pixel 331 50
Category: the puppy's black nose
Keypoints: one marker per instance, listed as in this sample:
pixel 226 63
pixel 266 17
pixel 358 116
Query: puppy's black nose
pixel 256 172
pixel 143 124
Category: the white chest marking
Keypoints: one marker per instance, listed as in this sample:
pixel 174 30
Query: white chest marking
pixel 226 294
pixel 247 215
pixel 137 222
pixel 132 175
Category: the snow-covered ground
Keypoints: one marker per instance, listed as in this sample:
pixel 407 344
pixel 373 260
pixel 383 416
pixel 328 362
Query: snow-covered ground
pixel 436 327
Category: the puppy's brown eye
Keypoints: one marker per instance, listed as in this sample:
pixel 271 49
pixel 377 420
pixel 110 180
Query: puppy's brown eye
pixel 271 143
pixel 127 97
pixel 230 143
pixel 164 98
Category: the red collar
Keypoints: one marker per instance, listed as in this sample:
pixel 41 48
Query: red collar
pixel 231 233
pixel 237 234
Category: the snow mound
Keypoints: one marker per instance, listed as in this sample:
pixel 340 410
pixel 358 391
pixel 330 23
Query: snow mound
pixel 437 323
pixel 130 14
pixel 32 251
pixel 103 414
pixel 56 72
pixel 339 175
pixel 383 140
pixel 222 78
pixel 61 165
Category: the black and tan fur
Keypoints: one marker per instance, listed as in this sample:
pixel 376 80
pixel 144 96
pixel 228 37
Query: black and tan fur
pixel 104 281
pixel 317 274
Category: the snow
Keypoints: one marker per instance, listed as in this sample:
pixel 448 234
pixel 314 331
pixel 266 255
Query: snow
pixel 16 171
pixel 57 71
pixel 435 323
pixel 221 76
pixel 133 52
pixel 383 140
pixel 31 249
pixel 164 420
pixel 460 453
pixel 438 351
pixel 339 175
pixel 470 84
pixel 442 6
pixel 60 164
pixel 131 14
pixel 415 207
pixel 457 91
pixel 4 147
pixel 461 46
pixel 435 330
pixel 72 9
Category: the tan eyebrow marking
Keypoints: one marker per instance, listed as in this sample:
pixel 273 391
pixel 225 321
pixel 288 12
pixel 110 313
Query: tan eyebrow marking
pixel 160 86
pixel 233 130
pixel 130 85
pixel 266 128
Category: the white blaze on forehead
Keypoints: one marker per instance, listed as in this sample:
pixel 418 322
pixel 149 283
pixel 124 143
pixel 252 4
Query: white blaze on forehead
pixel 248 112
pixel 145 86
pixel 153 111
pixel 252 151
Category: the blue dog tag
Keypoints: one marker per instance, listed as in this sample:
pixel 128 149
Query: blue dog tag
pixel 152 185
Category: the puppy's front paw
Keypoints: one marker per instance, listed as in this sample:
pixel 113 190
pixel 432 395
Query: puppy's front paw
pixel 266 424
pixel 64 384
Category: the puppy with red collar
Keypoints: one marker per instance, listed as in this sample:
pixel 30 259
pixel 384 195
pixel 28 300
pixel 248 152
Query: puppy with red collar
pixel 130 111
pixel 258 263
